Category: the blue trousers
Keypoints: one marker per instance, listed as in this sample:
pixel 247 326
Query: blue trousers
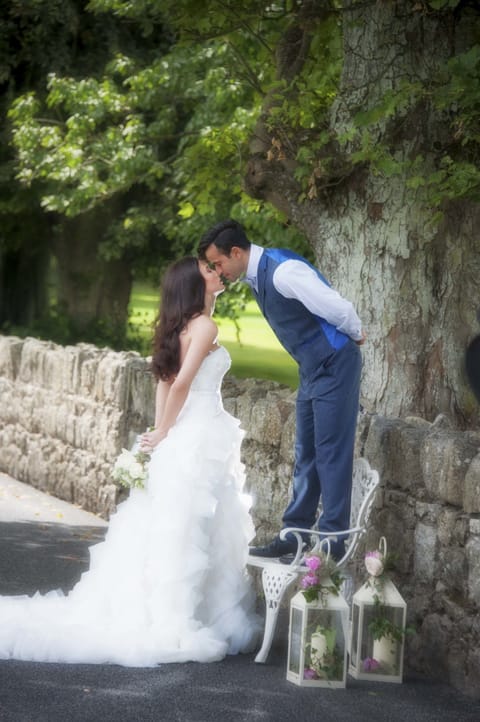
pixel 326 417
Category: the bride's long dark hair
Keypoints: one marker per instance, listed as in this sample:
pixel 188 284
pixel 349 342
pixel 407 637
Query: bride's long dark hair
pixel 182 298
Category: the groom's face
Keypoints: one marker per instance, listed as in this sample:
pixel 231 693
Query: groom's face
pixel 230 267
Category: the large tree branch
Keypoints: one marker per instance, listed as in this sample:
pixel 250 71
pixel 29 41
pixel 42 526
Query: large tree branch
pixel 270 171
pixel 272 181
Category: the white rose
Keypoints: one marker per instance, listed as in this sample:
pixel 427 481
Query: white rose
pixel 132 462
pixel 123 460
pixel 136 470
pixel 374 565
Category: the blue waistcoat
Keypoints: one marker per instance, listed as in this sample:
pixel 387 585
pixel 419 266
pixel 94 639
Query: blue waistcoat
pixel 308 338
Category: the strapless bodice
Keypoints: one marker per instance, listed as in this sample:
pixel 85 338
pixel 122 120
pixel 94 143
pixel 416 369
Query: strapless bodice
pixel 211 372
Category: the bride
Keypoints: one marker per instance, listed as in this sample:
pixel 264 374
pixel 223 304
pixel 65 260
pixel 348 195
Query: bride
pixel 169 583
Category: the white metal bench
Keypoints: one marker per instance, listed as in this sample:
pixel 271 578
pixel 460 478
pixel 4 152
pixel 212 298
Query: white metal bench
pixel 277 576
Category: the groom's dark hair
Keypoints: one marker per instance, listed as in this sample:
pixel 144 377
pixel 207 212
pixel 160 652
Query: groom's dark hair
pixel 224 235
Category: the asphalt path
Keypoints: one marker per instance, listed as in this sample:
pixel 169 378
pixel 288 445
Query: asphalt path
pixel 44 545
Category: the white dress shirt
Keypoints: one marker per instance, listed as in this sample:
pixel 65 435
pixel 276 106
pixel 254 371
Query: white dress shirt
pixel 296 279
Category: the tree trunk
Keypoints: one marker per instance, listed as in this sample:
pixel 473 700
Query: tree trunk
pixel 415 285
pixel 23 285
pixel 92 290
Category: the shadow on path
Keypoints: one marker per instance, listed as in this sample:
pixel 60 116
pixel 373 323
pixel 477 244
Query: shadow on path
pixel 43 556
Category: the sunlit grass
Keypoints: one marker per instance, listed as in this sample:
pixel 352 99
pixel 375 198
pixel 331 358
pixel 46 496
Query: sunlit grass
pixel 258 354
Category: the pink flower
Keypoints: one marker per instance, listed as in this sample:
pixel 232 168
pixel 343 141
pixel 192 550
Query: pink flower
pixel 370 664
pixel 313 563
pixel 374 563
pixel 309 580
pixel 309 673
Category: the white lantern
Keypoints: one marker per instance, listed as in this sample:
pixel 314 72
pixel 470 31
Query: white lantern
pixel 378 630
pixel 318 640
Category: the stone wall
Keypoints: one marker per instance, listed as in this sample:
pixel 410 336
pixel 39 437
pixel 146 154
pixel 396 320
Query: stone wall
pixel 430 515
pixel 66 412
pixel 64 415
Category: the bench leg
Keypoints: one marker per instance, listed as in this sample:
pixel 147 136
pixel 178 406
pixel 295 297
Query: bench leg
pixel 275 583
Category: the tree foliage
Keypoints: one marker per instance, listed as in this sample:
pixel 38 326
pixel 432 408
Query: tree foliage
pixel 38 41
pixel 155 130
pixel 168 129
pixel 186 112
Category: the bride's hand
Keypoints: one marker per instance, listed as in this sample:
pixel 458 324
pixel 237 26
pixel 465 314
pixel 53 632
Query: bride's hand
pixel 150 439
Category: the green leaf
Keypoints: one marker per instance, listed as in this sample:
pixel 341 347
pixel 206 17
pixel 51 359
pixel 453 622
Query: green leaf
pixel 186 210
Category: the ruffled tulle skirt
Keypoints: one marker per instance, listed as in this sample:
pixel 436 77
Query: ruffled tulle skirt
pixel 169 583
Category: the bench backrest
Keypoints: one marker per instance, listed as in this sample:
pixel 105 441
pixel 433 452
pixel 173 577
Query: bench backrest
pixel 365 484
pixel 364 488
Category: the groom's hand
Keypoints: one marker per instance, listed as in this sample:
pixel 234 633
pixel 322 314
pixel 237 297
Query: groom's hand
pixel 362 340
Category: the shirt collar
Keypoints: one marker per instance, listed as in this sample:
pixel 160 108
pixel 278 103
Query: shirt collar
pixel 252 268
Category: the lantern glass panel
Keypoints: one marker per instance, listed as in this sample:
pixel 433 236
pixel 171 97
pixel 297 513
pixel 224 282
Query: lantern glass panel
pixel 380 653
pixel 355 625
pixel 325 643
pixel 295 640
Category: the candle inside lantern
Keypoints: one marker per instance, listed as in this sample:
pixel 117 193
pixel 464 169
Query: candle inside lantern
pixel 385 652
pixel 318 646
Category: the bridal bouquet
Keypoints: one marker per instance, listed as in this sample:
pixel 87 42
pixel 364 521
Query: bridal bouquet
pixel 130 469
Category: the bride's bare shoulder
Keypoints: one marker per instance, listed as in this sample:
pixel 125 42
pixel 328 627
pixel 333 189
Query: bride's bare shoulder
pixel 202 324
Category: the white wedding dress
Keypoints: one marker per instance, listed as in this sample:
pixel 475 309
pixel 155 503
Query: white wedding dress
pixel 169 583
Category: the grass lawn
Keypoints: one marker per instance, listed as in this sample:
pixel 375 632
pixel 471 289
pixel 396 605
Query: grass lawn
pixel 257 355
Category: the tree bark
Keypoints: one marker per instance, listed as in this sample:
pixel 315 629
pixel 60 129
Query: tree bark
pixel 24 284
pixel 92 290
pixel 415 284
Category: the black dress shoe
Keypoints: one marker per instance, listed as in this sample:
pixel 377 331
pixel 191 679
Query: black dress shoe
pixel 276 548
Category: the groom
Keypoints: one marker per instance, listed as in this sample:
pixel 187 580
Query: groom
pixel 322 332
